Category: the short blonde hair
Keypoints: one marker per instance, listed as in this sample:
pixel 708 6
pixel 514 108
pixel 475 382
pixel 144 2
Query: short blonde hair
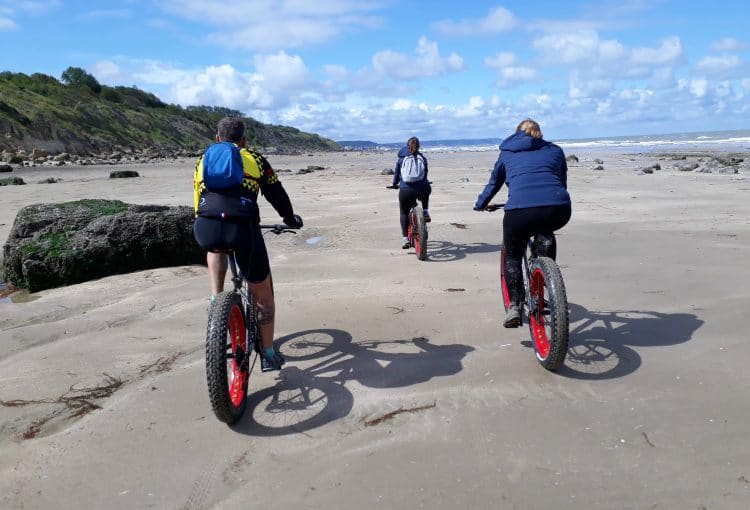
pixel 530 127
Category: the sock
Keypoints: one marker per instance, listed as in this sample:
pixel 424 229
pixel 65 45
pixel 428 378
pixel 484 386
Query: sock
pixel 406 240
pixel 269 352
pixel 427 211
pixel 213 298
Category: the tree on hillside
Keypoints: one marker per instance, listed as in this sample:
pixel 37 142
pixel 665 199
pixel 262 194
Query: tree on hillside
pixel 77 77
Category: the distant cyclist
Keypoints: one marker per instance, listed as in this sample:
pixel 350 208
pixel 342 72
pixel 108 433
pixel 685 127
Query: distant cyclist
pixel 410 177
pixel 228 218
pixel 538 202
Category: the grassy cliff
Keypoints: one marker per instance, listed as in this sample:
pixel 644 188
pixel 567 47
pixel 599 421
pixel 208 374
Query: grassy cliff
pixel 78 115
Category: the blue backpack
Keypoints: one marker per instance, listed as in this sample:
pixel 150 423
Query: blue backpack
pixel 222 166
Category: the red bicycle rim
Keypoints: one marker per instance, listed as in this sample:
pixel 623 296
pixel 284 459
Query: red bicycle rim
pixel 237 377
pixel 536 316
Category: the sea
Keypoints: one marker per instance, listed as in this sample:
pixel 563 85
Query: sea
pixel 731 141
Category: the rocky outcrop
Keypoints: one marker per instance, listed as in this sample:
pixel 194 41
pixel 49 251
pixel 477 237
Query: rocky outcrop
pixel 52 245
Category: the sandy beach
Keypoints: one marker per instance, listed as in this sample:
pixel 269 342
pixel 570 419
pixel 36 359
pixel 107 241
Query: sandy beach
pixel 402 390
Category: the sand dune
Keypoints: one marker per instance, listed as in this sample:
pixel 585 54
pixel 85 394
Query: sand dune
pixel 402 388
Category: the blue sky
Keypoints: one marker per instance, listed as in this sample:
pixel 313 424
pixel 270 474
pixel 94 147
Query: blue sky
pixel 384 70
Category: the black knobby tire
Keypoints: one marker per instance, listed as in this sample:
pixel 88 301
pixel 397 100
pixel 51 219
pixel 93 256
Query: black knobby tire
pixel 419 229
pixel 548 316
pixel 227 380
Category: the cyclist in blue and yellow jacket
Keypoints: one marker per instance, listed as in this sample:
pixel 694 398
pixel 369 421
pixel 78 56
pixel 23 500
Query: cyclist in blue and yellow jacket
pixel 538 202
pixel 229 219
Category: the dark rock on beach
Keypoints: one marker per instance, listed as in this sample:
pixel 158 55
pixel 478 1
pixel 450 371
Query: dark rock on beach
pixel 122 174
pixel 52 245
pixel 11 181
pixel 6 168
pixel 572 158
pixel 648 169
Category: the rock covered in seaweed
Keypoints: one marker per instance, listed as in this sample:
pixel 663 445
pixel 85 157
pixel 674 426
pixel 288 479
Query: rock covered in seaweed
pixel 52 245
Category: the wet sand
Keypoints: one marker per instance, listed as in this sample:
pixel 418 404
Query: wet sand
pixel 402 389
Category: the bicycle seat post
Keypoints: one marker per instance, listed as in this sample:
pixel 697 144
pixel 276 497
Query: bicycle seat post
pixel 236 278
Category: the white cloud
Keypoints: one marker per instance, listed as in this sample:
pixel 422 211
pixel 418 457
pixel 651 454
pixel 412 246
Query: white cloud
pixel 160 73
pixel 718 64
pixel 401 104
pixel 268 25
pixel 591 88
pixel 507 73
pixel 278 81
pixel 10 9
pixel 669 52
pixel 108 72
pixel 221 85
pixel 100 14
pixel 698 87
pixel 285 72
pixel 500 60
pixel 474 108
pixel 498 19
pixel 34 7
pixel 611 50
pixel 570 47
pixel 729 44
pixel 426 62
pixel 7 24
pixel 516 73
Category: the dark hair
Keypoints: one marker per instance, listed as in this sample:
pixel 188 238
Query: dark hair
pixel 413 140
pixel 230 129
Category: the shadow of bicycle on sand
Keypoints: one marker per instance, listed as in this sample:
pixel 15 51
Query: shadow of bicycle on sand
pixel 599 340
pixel 305 398
pixel 445 251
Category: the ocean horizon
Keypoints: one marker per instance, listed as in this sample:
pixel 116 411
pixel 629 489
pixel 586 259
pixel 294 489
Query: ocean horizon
pixel 731 140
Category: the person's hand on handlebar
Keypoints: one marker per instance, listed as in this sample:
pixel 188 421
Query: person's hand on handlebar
pixel 294 221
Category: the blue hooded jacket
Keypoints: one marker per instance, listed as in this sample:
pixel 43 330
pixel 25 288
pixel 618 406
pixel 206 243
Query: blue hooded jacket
pixel 535 171
pixel 422 186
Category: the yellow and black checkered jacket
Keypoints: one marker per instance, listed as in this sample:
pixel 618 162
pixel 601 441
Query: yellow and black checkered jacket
pixel 232 204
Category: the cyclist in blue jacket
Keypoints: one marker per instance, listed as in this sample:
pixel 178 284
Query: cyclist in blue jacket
pixel 538 202
pixel 412 185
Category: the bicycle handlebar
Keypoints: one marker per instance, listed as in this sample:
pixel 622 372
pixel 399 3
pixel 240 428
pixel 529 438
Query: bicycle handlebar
pixel 279 228
pixel 493 207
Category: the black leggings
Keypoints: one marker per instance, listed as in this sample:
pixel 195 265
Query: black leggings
pixel 407 198
pixel 518 227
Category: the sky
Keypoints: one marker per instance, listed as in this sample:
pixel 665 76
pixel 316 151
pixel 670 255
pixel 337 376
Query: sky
pixel 384 70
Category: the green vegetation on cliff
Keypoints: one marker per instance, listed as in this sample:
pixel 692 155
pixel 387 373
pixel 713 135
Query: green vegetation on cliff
pixel 81 116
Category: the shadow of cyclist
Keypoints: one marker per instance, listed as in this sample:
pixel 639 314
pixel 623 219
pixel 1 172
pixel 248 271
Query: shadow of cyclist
pixel 308 397
pixel 599 340
pixel 445 251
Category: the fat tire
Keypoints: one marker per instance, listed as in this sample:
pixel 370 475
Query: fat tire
pixel 558 314
pixel 420 242
pixel 216 358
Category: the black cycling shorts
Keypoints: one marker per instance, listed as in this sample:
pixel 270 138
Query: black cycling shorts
pixel 245 239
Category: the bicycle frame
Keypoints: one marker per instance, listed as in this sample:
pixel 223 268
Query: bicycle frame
pixel 252 338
